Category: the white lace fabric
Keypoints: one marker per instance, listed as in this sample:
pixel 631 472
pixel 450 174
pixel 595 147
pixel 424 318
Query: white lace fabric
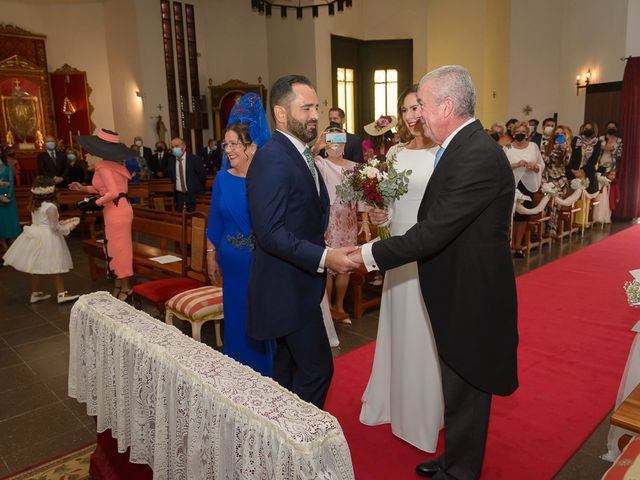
pixel 191 412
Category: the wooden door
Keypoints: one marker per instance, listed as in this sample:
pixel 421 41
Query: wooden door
pixel 383 55
pixel 345 53
pixel 365 57
pixel 602 104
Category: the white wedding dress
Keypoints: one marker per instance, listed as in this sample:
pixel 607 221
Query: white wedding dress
pixel 405 387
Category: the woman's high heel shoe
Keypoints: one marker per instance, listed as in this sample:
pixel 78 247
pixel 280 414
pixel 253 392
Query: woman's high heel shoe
pixel 130 298
pixel 126 296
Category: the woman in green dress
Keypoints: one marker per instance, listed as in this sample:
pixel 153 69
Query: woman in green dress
pixel 9 224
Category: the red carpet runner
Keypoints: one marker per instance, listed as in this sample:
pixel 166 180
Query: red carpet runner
pixel 575 335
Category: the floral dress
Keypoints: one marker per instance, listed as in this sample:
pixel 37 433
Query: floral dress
pixel 555 172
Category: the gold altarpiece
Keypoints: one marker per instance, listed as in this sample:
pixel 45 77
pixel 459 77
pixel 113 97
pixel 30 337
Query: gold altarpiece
pixel 25 93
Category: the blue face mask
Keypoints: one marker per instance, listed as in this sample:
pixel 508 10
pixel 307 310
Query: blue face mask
pixel 176 151
pixel 71 157
pixel 50 145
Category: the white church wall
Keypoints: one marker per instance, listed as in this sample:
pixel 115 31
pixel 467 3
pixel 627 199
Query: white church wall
pixel 82 46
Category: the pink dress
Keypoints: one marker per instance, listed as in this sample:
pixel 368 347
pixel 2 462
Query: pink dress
pixel 343 222
pixel 111 179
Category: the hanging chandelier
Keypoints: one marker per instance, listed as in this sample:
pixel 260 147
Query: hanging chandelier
pixel 266 7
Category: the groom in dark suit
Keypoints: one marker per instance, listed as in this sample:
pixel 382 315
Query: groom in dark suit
pixel 289 207
pixel 461 244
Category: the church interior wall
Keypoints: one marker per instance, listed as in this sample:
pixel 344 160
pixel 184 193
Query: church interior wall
pixel 633 32
pixel 553 42
pixel 528 53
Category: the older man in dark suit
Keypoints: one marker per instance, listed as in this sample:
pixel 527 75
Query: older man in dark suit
pixel 461 244
pixel 187 174
pixel 289 207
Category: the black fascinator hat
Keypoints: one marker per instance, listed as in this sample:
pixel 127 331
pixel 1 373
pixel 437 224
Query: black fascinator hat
pixel 106 145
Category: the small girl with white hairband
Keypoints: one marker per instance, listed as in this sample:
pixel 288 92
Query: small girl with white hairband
pixel 41 248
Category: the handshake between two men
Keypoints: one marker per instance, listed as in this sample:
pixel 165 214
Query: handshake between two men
pixel 347 259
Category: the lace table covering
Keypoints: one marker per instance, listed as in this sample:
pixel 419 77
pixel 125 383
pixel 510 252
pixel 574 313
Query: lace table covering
pixel 191 412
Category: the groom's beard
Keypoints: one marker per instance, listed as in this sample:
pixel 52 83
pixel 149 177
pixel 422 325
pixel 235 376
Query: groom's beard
pixel 306 132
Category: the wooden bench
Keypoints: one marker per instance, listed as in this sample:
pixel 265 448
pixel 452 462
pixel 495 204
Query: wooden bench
pixel 203 203
pixel 23 195
pixel 536 226
pixel 139 193
pixel 161 194
pixel 154 234
pixel 364 295
pixel 627 415
pixel 566 218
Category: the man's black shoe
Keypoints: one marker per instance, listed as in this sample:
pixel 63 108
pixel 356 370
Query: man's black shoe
pixel 428 469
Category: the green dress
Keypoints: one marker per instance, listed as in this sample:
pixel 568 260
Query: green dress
pixel 9 224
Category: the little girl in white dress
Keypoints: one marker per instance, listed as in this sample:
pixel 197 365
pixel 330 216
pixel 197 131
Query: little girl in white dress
pixel 41 248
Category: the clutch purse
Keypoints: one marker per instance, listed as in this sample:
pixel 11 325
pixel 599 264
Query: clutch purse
pixel 88 205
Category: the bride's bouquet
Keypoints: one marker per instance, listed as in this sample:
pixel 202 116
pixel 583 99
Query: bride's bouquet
pixel 376 183
pixel 633 293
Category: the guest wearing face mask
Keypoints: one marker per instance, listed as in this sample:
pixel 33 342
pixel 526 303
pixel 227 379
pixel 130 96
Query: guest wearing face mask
pixel 527 164
pixel 211 157
pixel 611 150
pixel 53 164
pixel 583 165
pixel 556 155
pixel 585 155
pixel 611 153
pixel 343 223
pixel 187 174
pixel 499 135
pixel 534 135
pixel 78 168
pixel 143 152
pixel 158 162
pixel 509 125
pixel 548 127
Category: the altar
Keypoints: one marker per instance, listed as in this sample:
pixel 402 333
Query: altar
pixel 189 411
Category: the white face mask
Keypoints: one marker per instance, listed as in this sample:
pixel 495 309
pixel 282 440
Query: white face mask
pixel 548 131
pixel 531 129
pixel 138 143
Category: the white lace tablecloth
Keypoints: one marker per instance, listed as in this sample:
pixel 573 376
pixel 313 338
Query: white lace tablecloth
pixel 188 411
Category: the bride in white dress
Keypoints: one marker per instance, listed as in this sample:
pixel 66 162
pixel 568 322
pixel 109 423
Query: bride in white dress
pixel 405 387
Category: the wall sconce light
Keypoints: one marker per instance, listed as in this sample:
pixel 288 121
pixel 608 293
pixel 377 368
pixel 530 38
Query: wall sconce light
pixel 587 80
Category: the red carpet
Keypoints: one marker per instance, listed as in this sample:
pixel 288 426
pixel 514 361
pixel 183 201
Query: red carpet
pixel 575 336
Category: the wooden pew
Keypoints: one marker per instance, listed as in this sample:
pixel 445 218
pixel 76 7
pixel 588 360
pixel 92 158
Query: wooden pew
pixel 154 233
pixel 203 203
pixel 23 194
pixel 566 218
pixel 161 194
pixel 364 295
pixel 139 193
pixel 536 225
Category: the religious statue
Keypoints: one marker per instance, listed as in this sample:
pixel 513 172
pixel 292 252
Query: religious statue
pixel 161 129
pixel 39 139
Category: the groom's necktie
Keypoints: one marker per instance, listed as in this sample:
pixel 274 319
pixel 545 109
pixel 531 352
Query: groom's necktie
pixel 308 157
pixel 438 155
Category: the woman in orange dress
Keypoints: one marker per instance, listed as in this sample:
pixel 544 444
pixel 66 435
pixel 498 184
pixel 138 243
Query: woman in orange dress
pixel 111 183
